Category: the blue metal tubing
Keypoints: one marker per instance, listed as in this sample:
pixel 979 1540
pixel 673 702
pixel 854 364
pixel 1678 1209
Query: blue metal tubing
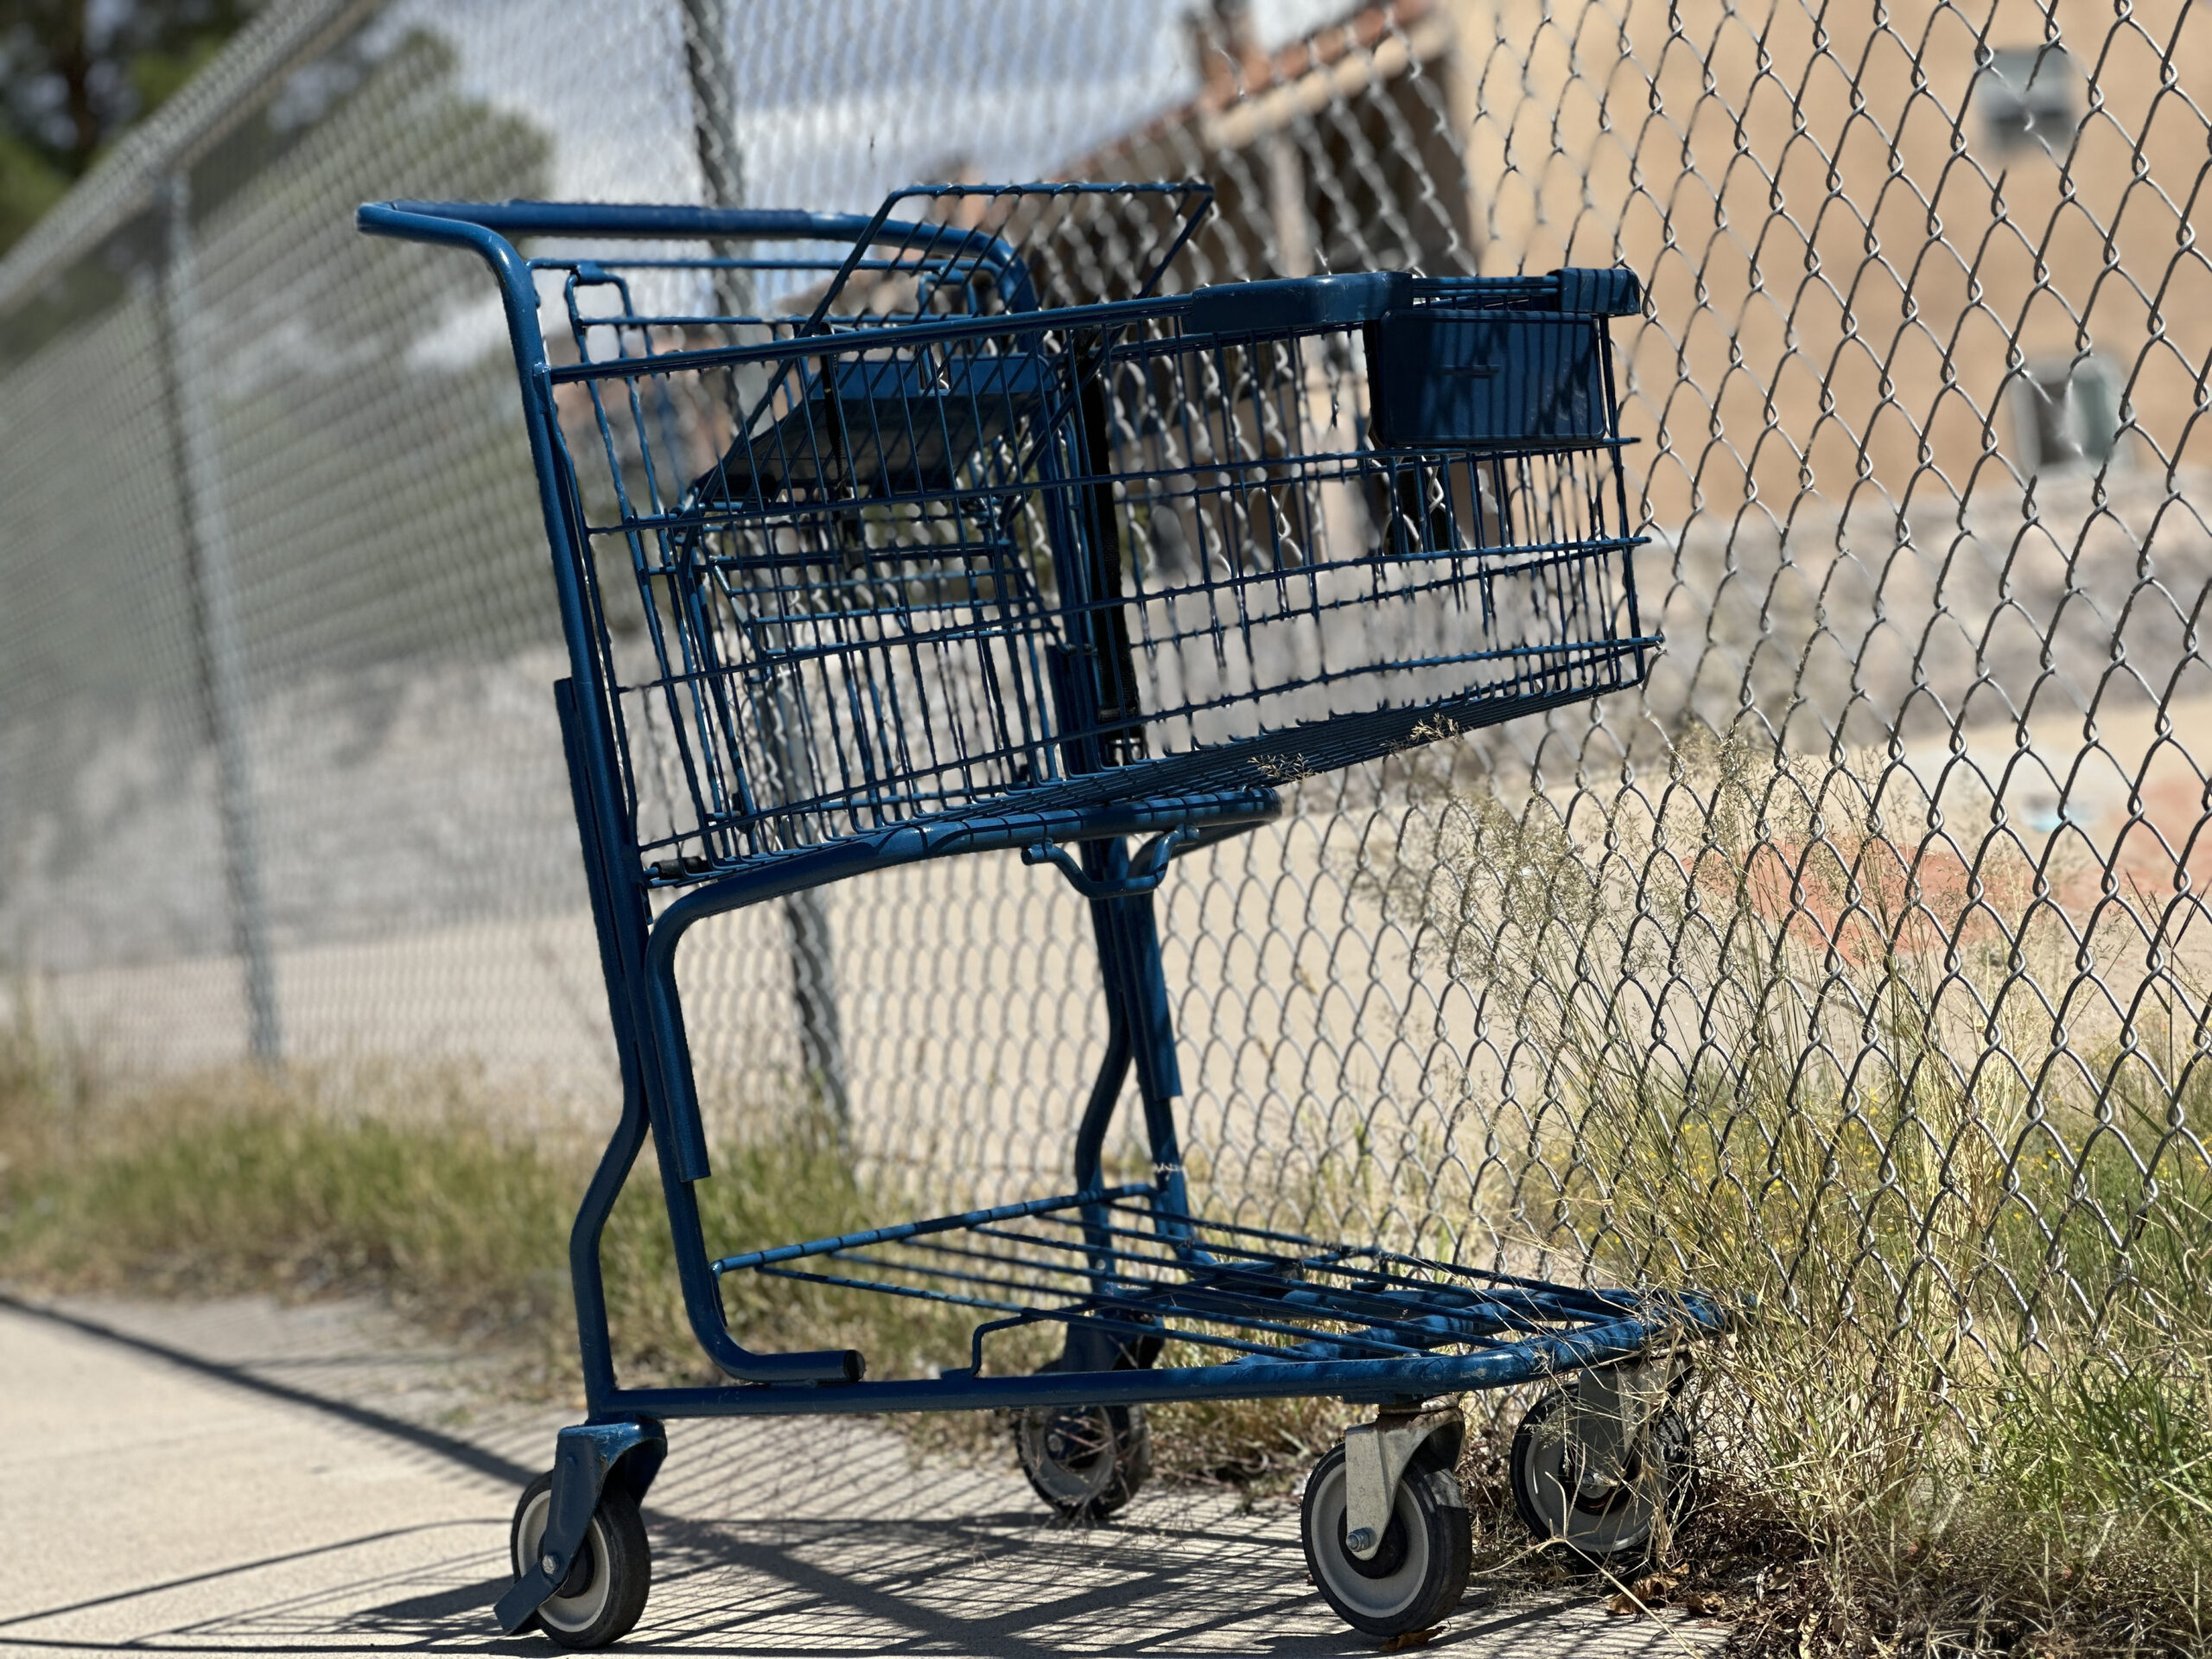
pixel 620 916
pixel 1356 1380
pixel 629 1136
pixel 1238 767
pixel 1203 325
pixel 643 1011
pixel 905 843
pixel 1121 1307
pixel 1132 971
pixel 1136 993
pixel 628 221
pixel 905 1230
pixel 618 900
pixel 639 953
pixel 1121 1312
pixel 1262 1281
pixel 1229 1289
pixel 1252 1294
pixel 670 1094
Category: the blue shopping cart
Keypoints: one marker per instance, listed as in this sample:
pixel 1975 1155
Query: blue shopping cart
pixel 944 530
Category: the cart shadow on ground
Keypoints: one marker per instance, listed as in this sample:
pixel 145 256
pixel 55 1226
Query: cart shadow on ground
pixel 992 1584
pixel 770 1538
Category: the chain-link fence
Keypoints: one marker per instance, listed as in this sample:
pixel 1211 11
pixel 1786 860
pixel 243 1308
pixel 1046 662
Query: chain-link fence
pixel 1858 944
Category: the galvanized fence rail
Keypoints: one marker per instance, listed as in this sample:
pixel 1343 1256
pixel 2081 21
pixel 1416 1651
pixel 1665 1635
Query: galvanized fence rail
pixel 1882 905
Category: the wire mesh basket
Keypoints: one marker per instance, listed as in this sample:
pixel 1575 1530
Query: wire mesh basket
pixel 951 524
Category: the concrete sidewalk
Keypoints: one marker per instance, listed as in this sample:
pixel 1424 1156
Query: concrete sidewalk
pixel 243 1478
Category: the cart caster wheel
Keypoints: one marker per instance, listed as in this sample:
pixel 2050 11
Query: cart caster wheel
pixel 1085 1461
pixel 604 1591
pixel 1420 1573
pixel 1605 1522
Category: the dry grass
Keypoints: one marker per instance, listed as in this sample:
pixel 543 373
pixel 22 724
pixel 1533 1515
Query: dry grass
pixel 393 1183
pixel 396 1183
pixel 1788 1047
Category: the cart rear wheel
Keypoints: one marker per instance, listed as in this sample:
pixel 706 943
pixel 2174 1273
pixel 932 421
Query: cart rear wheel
pixel 1418 1574
pixel 1605 1519
pixel 1085 1461
pixel 605 1592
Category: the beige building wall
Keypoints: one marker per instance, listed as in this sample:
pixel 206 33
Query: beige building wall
pixel 1854 282
pixel 1849 273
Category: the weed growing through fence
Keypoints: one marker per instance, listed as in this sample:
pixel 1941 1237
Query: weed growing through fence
pixel 1936 1116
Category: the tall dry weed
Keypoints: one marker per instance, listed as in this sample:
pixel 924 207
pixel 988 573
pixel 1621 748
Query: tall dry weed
pixel 1783 1039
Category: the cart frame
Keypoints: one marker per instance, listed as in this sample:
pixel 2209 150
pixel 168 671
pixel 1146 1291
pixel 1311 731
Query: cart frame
pixel 621 1443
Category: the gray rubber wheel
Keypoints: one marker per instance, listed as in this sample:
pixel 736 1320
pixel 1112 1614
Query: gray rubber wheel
pixel 1085 1461
pixel 600 1599
pixel 1604 1521
pixel 1420 1573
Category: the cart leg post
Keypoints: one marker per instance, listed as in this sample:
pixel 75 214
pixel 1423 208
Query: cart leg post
pixel 1090 1138
pixel 587 1282
pixel 1136 999
pixel 1611 1406
pixel 669 1071
pixel 584 1460
pixel 1105 861
pixel 1376 1457
pixel 656 1092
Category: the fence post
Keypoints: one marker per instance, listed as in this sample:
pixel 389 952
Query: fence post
pixel 218 648
pixel 714 124
pixel 806 919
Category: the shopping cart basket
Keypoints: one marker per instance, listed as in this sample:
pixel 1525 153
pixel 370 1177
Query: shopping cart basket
pixel 947 530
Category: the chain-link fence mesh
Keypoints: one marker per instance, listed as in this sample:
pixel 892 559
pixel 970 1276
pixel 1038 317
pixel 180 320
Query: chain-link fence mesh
pixel 1859 943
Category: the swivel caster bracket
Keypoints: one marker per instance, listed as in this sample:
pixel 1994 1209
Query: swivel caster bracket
pixel 584 1458
pixel 1612 1406
pixel 1375 1456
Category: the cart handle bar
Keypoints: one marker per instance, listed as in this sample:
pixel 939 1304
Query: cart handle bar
pixel 648 221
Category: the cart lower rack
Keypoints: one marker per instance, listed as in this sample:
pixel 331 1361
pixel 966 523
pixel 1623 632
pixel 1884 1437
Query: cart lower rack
pixel 953 530
pixel 1126 1277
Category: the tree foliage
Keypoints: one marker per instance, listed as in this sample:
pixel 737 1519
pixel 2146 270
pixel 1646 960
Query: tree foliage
pixel 75 73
